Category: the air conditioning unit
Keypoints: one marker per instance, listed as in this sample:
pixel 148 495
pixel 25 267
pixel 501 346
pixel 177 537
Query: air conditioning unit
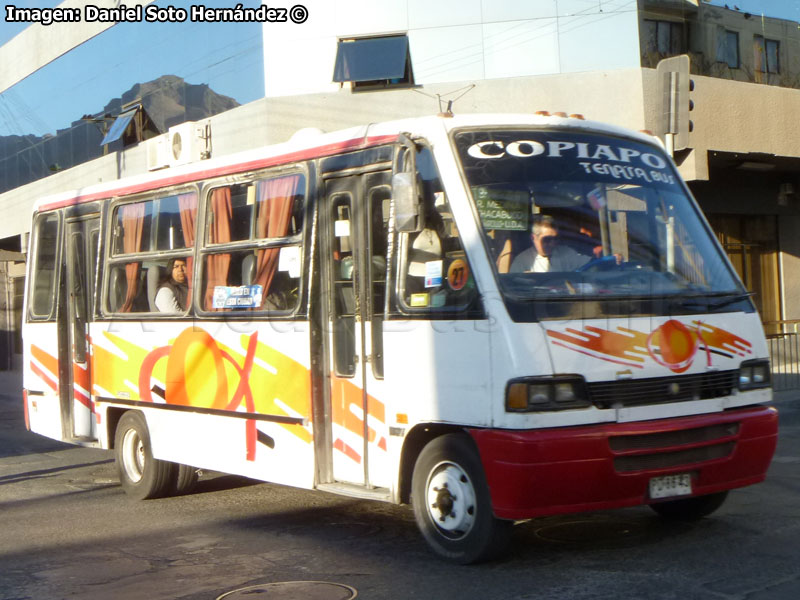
pixel 157 153
pixel 188 142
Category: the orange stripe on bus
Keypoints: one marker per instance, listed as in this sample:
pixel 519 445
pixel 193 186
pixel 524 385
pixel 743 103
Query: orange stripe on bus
pixel 47 361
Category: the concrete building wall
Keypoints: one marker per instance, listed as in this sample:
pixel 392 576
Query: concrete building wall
pixel 456 40
pixel 713 21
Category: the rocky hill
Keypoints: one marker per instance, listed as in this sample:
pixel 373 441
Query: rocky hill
pixel 168 101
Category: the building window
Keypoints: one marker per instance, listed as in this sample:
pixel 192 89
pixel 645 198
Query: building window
pixel 664 37
pixel 370 63
pixel 766 54
pixel 728 48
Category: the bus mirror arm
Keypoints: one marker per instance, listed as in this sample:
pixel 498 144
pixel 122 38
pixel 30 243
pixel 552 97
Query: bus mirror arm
pixel 405 190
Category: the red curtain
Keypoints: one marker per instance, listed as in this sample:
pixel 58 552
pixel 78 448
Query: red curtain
pixel 275 202
pixel 217 265
pixel 187 203
pixel 132 227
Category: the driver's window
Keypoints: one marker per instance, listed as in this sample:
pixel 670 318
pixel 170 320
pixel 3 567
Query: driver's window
pixel 435 272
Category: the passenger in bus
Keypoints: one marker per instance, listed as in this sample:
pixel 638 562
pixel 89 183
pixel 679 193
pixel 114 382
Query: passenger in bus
pixel 173 291
pixel 547 254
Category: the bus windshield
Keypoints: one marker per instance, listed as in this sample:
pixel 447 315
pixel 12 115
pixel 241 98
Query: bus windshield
pixel 573 216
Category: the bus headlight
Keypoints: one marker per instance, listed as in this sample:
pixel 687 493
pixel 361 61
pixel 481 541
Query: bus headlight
pixel 534 394
pixel 754 374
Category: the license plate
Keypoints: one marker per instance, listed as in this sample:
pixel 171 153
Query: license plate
pixel 670 485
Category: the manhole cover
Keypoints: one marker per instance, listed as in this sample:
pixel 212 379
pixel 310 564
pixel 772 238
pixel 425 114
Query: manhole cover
pixel 293 590
pixel 589 531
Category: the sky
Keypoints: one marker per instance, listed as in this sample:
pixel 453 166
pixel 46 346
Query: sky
pixel 782 9
pixel 226 56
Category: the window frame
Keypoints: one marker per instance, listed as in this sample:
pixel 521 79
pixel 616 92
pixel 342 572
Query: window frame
pixel 113 259
pixel 35 270
pixel 675 29
pixel 764 65
pixel 725 47
pixel 205 248
pixel 472 308
pixel 405 81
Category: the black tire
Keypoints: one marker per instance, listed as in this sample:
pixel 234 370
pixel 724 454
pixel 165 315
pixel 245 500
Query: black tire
pixel 141 475
pixel 452 505
pixel 690 509
pixel 185 480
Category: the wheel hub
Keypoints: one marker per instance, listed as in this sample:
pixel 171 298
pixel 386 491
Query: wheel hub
pixel 451 500
pixel 133 455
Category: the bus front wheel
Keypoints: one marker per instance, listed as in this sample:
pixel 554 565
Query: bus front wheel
pixel 451 502
pixel 690 509
pixel 141 475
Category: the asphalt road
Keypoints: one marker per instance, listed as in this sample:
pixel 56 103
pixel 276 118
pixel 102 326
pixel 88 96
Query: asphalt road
pixel 68 531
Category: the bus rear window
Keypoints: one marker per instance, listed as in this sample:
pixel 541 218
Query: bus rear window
pixel 43 289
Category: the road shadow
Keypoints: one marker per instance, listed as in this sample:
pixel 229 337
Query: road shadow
pixel 42 473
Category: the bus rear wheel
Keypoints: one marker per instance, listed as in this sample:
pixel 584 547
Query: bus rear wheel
pixel 690 509
pixel 451 502
pixel 185 480
pixel 141 475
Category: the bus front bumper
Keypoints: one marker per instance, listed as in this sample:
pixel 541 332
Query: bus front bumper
pixel 533 473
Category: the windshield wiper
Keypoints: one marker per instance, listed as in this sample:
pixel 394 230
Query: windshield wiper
pixel 707 300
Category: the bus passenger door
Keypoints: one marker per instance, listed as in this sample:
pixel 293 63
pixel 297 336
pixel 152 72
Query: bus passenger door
pixel 354 256
pixel 81 247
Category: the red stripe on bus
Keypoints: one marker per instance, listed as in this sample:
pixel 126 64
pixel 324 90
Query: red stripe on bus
pixel 261 163
pixel 25 409
pixel 44 377
pixel 347 450
pixel 81 397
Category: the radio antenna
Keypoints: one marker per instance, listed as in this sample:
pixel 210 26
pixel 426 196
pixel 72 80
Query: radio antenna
pixel 445 103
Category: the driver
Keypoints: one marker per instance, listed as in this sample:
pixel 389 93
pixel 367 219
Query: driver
pixel 547 254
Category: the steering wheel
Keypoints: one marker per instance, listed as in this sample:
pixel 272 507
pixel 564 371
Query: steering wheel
pixel 608 263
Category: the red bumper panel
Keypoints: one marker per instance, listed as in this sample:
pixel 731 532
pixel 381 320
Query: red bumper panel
pixel 542 472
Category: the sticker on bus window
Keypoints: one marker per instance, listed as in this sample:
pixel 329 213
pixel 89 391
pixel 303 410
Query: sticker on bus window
pixel 433 273
pixel 242 296
pixel 504 210
pixel 420 300
pixel 289 260
pixel 457 274
pixel 341 228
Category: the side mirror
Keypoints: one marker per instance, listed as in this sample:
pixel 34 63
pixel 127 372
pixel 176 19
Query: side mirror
pixel 406 203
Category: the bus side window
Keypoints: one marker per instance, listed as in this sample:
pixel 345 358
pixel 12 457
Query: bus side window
pixel 253 253
pixel 142 233
pixel 44 267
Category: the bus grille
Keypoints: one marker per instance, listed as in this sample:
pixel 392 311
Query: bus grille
pixel 646 462
pixel 666 449
pixel 657 390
